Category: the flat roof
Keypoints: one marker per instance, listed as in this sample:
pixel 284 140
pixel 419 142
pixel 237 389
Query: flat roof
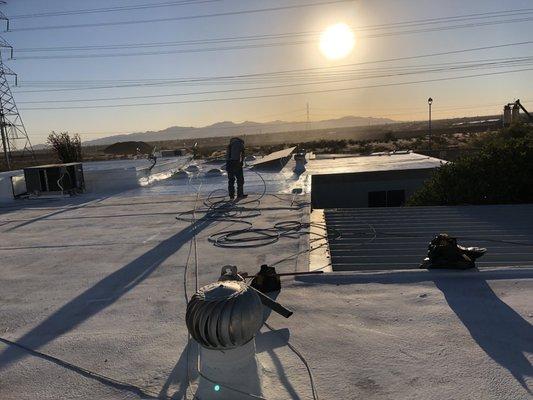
pixel 137 164
pixel 58 165
pixel 98 283
pixel 397 237
pixel 324 165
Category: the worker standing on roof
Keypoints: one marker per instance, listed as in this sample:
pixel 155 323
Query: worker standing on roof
pixel 234 164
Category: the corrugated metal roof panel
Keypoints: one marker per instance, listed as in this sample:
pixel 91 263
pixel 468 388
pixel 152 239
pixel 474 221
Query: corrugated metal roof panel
pixel 397 238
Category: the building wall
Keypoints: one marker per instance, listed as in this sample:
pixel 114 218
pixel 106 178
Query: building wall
pixel 6 190
pixel 99 181
pixel 350 190
pixel 11 181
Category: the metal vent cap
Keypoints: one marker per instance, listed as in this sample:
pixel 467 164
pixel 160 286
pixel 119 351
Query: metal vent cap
pixel 224 315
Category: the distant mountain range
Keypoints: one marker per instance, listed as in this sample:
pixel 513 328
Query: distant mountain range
pixel 228 128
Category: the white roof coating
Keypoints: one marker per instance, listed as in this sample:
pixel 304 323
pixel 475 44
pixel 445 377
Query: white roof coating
pixel 138 164
pixel 94 288
pixel 378 162
pixel 283 181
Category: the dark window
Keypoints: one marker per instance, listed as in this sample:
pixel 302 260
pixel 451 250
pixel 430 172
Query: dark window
pixel 395 198
pixel 390 198
pixel 377 199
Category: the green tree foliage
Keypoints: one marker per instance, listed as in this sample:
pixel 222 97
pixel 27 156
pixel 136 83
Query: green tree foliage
pixel 501 173
pixel 67 148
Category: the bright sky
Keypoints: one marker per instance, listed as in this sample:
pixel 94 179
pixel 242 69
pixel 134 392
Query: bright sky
pixel 460 97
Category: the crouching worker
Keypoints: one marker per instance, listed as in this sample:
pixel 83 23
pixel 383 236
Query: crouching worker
pixel 234 164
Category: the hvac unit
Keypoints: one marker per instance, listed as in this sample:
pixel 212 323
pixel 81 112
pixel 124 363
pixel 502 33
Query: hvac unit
pixel 55 179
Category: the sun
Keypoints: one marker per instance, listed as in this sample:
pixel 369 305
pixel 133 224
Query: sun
pixel 337 41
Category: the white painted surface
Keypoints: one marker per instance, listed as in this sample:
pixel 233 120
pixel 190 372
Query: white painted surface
pixel 100 181
pixel 325 164
pixel 119 175
pixel 6 188
pixel 230 369
pixel 80 283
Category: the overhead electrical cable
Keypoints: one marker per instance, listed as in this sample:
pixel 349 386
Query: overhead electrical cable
pixel 408 23
pixel 245 46
pixel 281 72
pixel 274 95
pixel 112 9
pixel 232 39
pixel 440 20
pixel 446 67
pixel 182 17
pixel 160 52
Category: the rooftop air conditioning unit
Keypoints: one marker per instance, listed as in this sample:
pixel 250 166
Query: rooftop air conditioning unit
pixel 55 179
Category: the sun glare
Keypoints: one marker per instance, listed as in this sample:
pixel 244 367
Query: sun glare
pixel 337 41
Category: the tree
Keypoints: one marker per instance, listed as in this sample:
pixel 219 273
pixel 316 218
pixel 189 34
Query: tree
pixel 501 173
pixel 67 148
pixel 389 136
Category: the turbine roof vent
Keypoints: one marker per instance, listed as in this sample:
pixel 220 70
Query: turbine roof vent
pixel 224 315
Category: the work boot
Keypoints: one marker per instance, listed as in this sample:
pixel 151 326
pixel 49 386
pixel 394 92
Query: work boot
pixel 242 196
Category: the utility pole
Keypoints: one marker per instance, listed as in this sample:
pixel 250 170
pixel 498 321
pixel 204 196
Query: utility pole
pixel 12 128
pixel 430 102
pixel 307 124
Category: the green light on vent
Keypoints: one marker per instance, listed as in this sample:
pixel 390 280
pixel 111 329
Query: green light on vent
pixel 217 388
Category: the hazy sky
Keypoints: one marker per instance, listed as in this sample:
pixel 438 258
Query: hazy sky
pixel 477 95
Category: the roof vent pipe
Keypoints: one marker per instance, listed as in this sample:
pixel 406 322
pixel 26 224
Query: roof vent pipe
pixel 223 318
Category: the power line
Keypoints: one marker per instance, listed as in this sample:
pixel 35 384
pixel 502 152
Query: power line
pixel 409 23
pixel 452 27
pixel 285 35
pixel 229 40
pixel 281 72
pixel 182 18
pixel 283 94
pixel 163 52
pixel 491 14
pixel 440 68
pixel 215 40
pixel 113 9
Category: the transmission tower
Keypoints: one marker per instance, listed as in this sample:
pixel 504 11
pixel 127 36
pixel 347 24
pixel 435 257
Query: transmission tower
pixel 12 129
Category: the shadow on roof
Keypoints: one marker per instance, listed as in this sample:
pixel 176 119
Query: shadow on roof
pixel 499 330
pixel 103 294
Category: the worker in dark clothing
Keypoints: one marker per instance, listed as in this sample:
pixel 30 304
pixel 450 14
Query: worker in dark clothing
pixel 234 164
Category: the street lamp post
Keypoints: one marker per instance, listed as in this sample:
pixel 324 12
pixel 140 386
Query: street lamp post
pixel 430 102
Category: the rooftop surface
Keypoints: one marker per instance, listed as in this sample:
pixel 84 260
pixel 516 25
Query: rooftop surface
pixel 98 283
pixel 378 162
pixel 138 164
